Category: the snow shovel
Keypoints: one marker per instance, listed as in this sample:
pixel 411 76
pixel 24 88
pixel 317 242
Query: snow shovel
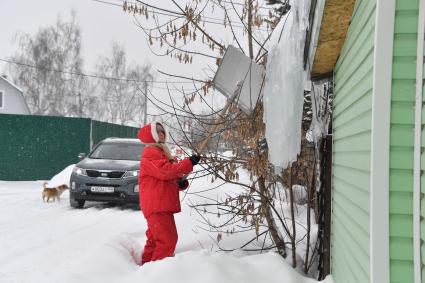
pixel 217 123
pixel 239 77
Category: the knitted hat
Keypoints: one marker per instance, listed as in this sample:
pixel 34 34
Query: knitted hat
pixel 148 133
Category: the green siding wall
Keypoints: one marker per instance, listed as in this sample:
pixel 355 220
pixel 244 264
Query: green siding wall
pixel 402 141
pixel 423 181
pixel 351 149
pixel 352 143
pixel 423 177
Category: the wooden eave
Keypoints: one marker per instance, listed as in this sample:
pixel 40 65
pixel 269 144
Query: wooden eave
pixel 333 29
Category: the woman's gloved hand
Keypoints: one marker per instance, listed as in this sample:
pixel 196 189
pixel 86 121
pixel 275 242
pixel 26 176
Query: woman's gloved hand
pixel 183 183
pixel 195 159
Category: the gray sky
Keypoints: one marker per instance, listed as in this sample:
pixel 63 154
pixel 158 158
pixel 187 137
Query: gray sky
pixel 100 25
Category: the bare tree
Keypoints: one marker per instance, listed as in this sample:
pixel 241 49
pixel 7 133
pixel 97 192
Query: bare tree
pixel 43 57
pixel 267 205
pixel 121 101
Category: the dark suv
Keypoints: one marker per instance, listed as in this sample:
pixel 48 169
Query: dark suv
pixel 108 174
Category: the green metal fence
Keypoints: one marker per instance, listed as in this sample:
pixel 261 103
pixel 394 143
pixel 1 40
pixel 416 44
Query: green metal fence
pixel 102 130
pixel 38 147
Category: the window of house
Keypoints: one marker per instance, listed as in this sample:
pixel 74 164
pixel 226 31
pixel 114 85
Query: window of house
pixel 1 99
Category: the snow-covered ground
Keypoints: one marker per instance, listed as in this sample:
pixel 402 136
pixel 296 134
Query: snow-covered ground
pixel 51 242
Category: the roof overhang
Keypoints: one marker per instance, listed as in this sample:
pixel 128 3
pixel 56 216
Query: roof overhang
pixel 329 23
pixel 20 94
pixel 12 84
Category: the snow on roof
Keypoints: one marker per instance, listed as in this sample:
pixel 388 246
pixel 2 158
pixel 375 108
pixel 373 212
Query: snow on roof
pixel 314 30
pixel 12 84
pixel 283 109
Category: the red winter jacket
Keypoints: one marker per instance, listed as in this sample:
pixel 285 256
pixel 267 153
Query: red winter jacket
pixel 158 179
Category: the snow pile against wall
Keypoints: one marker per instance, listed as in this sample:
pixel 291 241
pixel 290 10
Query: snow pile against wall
pixel 284 88
pixel 62 178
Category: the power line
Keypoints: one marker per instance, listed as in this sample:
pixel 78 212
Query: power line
pixel 91 75
pixel 155 7
pixel 241 4
pixel 209 20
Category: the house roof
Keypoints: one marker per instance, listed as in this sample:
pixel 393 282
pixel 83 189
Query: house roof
pixel 20 94
pixel 336 18
pixel 12 84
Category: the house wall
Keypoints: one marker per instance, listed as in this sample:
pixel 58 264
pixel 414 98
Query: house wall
pixel 352 147
pixel 422 228
pixel 13 102
pixel 350 232
pixel 402 141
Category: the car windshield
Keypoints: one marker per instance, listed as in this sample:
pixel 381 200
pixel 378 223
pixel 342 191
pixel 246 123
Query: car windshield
pixel 118 151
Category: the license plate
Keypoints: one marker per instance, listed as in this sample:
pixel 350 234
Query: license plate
pixel 102 189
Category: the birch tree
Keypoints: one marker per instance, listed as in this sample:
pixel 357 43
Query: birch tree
pixel 48 64
pixel 121 100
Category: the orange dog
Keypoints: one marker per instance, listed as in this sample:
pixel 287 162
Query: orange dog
pixel 53 193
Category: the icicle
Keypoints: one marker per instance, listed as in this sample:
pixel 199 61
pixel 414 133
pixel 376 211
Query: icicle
pixel 284 88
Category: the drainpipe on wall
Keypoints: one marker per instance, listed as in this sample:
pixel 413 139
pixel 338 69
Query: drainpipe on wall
pixel 417 264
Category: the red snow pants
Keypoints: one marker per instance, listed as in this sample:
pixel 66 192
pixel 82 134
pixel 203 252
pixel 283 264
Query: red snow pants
pixel 161 237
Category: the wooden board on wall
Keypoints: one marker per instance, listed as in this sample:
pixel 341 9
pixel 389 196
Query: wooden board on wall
pixel 336 19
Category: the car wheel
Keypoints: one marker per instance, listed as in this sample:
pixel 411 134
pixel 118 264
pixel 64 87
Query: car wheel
pixel 76 203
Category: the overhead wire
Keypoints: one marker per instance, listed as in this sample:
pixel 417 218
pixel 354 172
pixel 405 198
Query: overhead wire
pixel 210 20
pixel 241 4
pixel 91 75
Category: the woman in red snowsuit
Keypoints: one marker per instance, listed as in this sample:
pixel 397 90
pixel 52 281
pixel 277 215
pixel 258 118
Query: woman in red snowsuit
pixel 160 181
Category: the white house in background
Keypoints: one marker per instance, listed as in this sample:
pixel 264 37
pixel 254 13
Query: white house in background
pixel 12 100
